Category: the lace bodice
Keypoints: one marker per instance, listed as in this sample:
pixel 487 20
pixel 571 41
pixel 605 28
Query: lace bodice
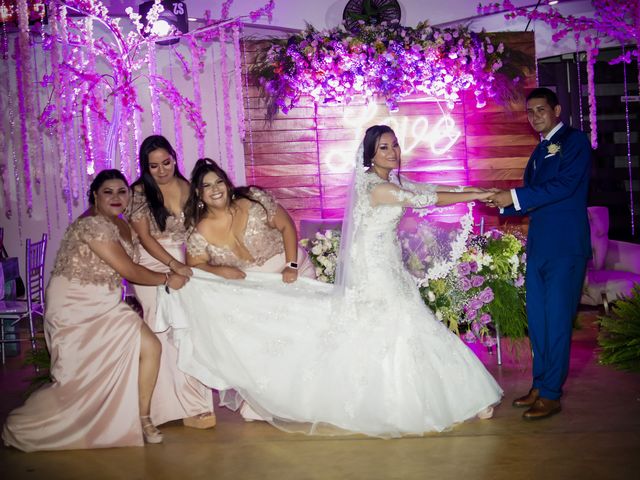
pixel 260 238
pixel 75 259
pixel 139 209
pixel 374 259
pixel 383 202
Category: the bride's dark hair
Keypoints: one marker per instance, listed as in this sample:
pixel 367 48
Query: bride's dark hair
pixel 193 212
pixel 371 141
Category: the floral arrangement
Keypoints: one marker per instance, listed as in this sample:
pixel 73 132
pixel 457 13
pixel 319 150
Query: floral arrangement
pixel 385 60
pixel 323 251
pixel 483 291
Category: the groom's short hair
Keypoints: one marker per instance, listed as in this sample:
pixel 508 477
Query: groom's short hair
pixel 546 93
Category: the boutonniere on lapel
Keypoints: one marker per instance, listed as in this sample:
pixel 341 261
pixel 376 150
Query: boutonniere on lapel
pixel 553 149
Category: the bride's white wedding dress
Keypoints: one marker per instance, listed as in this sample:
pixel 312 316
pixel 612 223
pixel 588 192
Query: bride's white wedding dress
pixel 371 358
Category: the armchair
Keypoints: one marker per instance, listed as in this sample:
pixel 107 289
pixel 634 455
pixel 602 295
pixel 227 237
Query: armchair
pixel 615 266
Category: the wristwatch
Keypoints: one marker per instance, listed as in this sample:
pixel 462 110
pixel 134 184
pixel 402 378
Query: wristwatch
pixel 293 265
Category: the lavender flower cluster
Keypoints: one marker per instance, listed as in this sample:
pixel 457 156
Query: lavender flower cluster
pixel 385 60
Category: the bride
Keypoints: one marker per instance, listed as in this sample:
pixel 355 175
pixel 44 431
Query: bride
pixel 364 356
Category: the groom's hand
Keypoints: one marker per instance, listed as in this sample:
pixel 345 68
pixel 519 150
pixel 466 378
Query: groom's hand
pixel 500 199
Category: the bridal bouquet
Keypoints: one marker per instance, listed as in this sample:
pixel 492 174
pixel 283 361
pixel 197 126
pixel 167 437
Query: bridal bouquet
pixel 485 290
pixel 323 251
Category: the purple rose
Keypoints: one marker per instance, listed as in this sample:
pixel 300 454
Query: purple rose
pixel 519 281
pixel 486 295
pixel 464 268
pixel 489 341
pixel 469 337
pixel 472 314
pixel 476 304
pixel 475 328
pixel 485 319
pixel 474 266
pixel 477 280
pixel 465 284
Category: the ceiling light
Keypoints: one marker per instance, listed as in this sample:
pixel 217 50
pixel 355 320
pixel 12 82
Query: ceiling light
pixel 172 20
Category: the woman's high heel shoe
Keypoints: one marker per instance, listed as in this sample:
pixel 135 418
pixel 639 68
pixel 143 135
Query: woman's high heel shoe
pixel 202 421
pixel 485 414
pixel 149 431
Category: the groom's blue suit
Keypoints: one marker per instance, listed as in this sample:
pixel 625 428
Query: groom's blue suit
pixel 554 195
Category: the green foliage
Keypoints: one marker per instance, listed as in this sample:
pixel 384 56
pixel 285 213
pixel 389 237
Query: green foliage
pixel 619 337
pixel 485 291
pixel 41 360
pixel 508 309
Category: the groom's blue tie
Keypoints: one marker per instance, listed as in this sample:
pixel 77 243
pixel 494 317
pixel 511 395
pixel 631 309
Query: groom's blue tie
pixel 542 152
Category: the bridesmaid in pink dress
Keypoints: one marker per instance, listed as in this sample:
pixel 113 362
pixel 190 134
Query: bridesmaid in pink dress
pixel 156 214
pixel 239 229
pixel 234 230
pixel 104 359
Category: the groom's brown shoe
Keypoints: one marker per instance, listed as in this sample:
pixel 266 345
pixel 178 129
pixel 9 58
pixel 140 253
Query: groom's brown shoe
pixel 527 400
pixel 542 408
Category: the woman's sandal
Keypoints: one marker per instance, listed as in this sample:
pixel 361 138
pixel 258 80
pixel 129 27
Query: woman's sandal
pixel 485 414
pixel 149 431
pixel 201 421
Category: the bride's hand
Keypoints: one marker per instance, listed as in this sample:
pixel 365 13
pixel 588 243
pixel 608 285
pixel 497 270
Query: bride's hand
pixel 230 273
pixel 484 195
pixel 289 275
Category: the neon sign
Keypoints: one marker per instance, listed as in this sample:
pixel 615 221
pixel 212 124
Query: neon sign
pixel 440 136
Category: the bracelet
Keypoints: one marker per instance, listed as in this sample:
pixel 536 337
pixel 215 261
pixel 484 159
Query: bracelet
pixel 292 265
pixel 166 282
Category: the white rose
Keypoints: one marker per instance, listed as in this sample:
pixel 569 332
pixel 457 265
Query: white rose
pixel 316 250
pixel 439 315
pixel 431 296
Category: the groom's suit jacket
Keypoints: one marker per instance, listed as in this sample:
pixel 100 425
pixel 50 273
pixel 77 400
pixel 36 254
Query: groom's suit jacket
pixel 554 195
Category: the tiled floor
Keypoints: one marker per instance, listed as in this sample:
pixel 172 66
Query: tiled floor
pixel 597 436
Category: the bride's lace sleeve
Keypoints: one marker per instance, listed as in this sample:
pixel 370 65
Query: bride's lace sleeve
pixel 390 194
pixel 419 187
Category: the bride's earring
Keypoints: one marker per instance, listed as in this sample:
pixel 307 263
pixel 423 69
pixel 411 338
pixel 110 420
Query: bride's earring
pixel 200 204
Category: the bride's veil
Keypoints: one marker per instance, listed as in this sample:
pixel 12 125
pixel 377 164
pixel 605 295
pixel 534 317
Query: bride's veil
pixel 344 270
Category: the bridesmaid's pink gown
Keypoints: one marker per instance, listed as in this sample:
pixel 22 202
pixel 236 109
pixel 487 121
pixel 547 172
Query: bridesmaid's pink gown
pixel 94 340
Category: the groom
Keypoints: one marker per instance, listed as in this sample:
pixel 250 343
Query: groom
pixel 554 195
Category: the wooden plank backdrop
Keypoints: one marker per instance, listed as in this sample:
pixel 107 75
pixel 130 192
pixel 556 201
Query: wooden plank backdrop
pixel 304 157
